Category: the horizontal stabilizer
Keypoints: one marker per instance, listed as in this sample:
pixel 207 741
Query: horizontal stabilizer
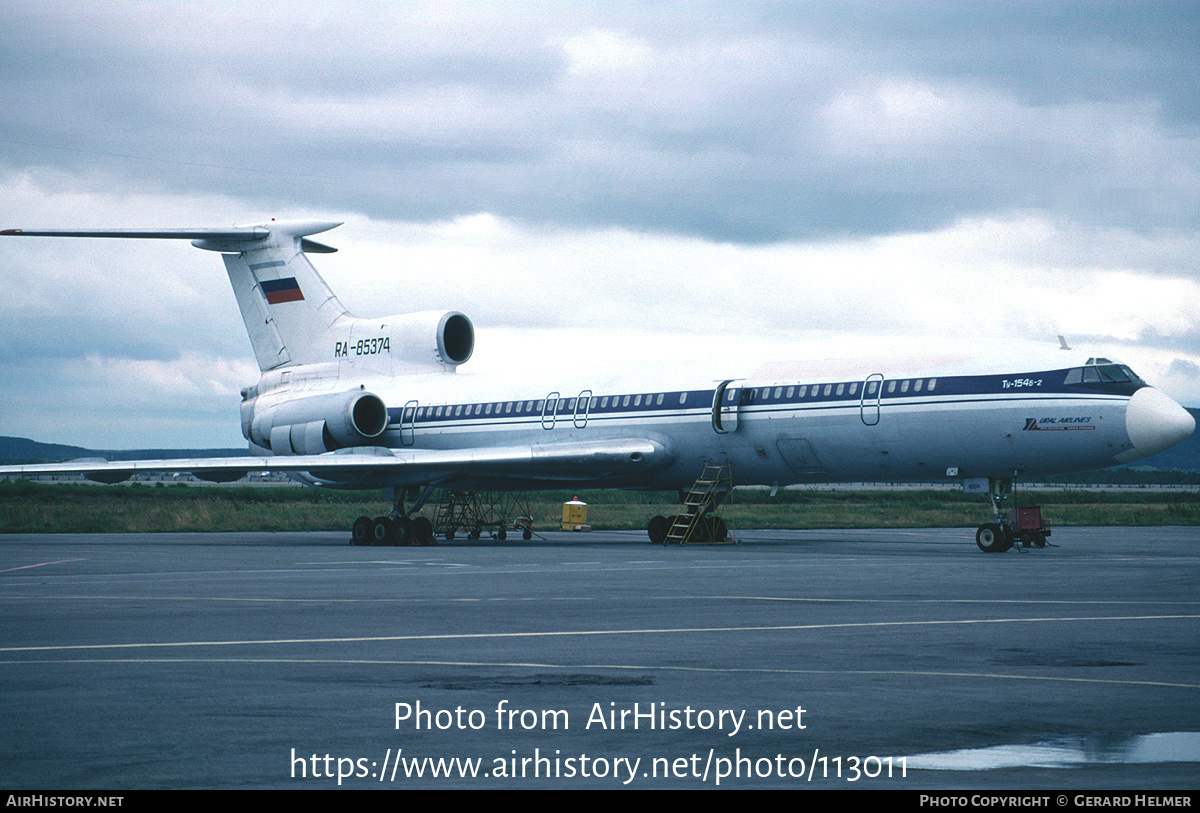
pixel 235 233
pixel 233 239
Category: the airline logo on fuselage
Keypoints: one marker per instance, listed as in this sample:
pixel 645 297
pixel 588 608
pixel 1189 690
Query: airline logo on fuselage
pixel 1044 424
pixel 281 290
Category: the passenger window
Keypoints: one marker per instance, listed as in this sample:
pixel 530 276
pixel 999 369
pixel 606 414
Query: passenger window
pixel 508 407
pixel 489 409
pixel 841 388
pixel 871 387
pixel 790 391
pixel 932 384
pixel 803 390
pixel 778 392
pixel 682 397
pixel 917 385
pixel 904 385
pixel 854 388
pixel 828 389
pixel 637 400
pixel 891 387
pixel 571 405
pixel 458 410
pixel 625 401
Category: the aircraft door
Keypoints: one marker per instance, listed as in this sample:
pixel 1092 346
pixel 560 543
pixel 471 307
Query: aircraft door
pixel 550 410
pixel 582 405
pixel 868 405
pixel 408 419
pixel 726 400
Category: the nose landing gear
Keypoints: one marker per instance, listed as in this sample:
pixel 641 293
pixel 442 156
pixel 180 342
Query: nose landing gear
pixel 997 536
pixel 1023 525
pixel 993 537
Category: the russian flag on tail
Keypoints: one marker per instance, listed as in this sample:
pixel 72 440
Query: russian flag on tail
pixel 281 290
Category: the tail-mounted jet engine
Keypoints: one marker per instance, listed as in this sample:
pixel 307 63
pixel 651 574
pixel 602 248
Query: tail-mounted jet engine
pixel 451 332
pixel 429 339
pixel 318 424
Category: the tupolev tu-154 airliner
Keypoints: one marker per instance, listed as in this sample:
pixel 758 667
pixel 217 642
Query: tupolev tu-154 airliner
pixel 345 402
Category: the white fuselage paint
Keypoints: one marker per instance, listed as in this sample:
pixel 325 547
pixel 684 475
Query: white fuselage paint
pixel 967 426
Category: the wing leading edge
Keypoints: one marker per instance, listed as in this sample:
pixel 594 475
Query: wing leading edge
pixel 370 467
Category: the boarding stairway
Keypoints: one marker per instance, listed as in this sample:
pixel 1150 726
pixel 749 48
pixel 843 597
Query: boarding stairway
pixel 694 525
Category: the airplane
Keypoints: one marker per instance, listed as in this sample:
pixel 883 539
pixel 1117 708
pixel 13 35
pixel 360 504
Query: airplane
pixel 346 402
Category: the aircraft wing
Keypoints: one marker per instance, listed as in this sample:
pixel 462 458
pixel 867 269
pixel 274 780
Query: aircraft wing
pixel 372 466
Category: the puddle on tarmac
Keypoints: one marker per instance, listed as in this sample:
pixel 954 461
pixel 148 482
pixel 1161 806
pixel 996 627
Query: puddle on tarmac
pixel 1068 752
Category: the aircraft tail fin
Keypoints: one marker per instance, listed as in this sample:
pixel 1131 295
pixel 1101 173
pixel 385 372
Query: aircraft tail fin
pixel 286 305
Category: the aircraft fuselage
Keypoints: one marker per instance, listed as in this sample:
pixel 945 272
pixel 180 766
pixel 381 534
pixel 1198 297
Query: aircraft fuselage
pixel 939 429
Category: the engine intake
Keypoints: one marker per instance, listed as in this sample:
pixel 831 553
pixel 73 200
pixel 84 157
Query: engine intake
pixel 456 338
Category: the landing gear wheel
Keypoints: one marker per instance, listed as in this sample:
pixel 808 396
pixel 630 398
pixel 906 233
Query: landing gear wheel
pixel 405 533
pixel 527 534
pixel 658 528
pixel 424 531
pixel 720 530
pixel 1007 539
pixel 382 531
pixel 990 538
pixel 360 532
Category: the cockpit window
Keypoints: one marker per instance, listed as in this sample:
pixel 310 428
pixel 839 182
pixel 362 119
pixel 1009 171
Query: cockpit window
pixel 1104 372
pixel 1116 373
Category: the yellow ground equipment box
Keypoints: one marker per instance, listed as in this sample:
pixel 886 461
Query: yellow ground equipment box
pixel 575 516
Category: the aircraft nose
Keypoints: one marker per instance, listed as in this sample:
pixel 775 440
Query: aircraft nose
pixel 1155 423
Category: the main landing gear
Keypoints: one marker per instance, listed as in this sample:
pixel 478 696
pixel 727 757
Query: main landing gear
pixel 385 530
pixel 1021 525
pixel 397 529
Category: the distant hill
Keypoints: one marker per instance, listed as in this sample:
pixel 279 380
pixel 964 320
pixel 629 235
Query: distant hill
pixel 24 450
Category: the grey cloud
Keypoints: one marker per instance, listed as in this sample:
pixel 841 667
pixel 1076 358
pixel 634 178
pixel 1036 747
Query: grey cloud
pixel 1184 369
pixel 729 130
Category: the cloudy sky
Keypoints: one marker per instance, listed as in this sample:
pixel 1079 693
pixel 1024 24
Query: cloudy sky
pixel 604 179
